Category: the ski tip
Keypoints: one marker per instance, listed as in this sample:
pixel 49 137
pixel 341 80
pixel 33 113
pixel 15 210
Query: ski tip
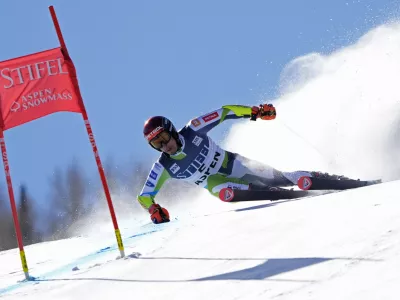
pixel 304 183
pixel 372 182
pixel 226 194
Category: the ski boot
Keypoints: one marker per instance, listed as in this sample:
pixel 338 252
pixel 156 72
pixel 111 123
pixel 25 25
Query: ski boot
pixel 325 175
pixel 256 187
pixel 325 181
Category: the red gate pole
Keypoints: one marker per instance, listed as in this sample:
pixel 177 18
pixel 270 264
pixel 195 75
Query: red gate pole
pixel 91 136
pixel 13 206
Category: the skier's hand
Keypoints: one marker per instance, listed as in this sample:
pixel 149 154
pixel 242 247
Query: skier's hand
pixel 268 112
pixel 158 214
pixel 264 112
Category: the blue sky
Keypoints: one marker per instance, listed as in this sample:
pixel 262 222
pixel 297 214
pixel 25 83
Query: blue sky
pixel 181 59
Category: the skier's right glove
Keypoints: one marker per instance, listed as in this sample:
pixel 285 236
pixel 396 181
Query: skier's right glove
pixel 158 214
pixel 264 112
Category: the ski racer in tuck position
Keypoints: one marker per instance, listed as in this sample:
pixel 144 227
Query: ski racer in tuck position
pixel 190 154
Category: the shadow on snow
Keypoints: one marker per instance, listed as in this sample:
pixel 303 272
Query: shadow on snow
pixel 269 268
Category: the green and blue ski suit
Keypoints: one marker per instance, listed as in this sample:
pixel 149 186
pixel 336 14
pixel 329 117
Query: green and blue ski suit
pixel 201 161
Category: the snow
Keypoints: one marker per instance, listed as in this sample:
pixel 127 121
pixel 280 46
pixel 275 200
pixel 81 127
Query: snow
pixel 337 113
pixel 343 245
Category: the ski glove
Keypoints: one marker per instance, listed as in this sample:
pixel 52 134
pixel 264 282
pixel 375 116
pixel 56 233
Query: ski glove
pixel 264 112
pixel 158 214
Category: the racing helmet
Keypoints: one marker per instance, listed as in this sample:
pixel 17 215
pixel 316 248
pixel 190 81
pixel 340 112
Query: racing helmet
pixel 159 126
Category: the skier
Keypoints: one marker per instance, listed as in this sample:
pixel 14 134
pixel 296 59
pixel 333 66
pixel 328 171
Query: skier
pixel 190 154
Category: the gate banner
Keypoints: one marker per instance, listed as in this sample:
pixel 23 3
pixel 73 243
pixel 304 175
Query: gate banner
pixel 36 85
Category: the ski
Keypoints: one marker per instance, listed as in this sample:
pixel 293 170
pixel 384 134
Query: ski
pixel 235 195
pixel 306 183
pixel 308 186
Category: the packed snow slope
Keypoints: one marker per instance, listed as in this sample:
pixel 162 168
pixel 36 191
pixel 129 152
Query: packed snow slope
pixel 338 246
pixel 337 112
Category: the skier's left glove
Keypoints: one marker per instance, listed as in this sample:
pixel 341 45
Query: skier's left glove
pixel 264 112
pixel 158 214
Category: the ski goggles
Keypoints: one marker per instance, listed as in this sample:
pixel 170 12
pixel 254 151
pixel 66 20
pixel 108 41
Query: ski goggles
pixel 160 139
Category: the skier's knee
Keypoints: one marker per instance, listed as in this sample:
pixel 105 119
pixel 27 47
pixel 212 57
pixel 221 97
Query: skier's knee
pixel 217 182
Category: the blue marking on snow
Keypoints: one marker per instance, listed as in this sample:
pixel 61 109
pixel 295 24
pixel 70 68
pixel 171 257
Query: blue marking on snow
pixel 73 265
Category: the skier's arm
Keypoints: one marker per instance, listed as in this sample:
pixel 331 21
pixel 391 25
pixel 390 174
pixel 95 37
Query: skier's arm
pixel 155 180
pixel 208 121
